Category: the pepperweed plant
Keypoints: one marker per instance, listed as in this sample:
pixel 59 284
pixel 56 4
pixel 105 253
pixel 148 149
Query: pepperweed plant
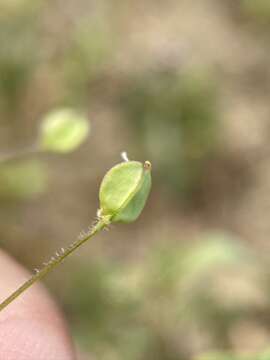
pixel 122 195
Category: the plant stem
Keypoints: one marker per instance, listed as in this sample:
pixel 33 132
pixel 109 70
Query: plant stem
pixel 20 154
pixel 58 259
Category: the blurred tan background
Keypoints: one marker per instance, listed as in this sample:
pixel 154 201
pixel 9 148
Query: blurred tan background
pixel 184 84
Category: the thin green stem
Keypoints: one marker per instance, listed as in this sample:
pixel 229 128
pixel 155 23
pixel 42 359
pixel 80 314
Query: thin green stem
pixel 56 260
pixel 18 155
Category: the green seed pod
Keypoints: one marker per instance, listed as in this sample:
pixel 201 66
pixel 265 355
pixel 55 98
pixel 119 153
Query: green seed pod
pixel 124 191
pixel 63 130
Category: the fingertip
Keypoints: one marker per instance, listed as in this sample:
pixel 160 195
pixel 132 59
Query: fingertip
pixel 31 327
pixel 30 339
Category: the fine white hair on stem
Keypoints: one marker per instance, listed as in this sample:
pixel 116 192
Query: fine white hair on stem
pixel 124 156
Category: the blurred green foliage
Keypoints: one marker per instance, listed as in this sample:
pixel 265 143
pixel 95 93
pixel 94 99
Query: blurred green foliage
pixel 86 59
pixel 174 123
pixel 258 10
pixel 19 50
pixel 219 356
pixel 148 310
pixel 21 180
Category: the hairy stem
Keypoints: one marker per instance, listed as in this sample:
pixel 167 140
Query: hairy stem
pixel 58 259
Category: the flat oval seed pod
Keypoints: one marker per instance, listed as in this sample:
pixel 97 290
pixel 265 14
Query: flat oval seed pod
pixel 124 191
pixel 135 205
pixel 63 130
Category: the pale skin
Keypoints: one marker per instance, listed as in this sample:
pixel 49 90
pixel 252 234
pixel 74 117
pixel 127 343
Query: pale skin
pixel 32 327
